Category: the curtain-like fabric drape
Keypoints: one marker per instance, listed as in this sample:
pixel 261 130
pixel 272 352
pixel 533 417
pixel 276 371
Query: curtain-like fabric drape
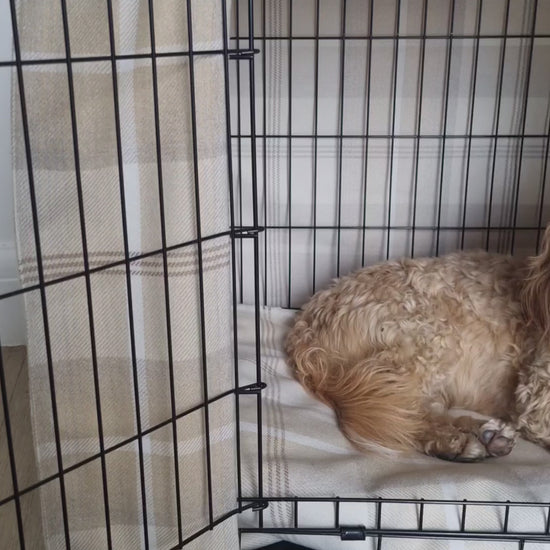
pixel 104 342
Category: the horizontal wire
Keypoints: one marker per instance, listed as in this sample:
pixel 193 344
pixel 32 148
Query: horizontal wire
pixel 407 227
pixel 110 265
pixel 400 37
pixel 119 57
pixel 448 502
pixel 396 136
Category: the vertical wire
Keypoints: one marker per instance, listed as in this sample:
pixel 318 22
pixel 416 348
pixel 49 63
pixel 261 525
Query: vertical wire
pixel 254 181
pixel 367 131
pixel 392 142
pixel 315 140
pixel 419 124
pixel 257 328
pixel 40 268
pixel 497 123
pixel 239 147
pixel 85 257
pixel 204 359
pixel 444 136
pixel 11 453
pixel 341 132
pixel 264 139
pixel 543 187
pixel 129 299
pixel 523 124
pixel 290 154
pixel 233 254
pixel 165 267
pixel 506 519
pixel 421 517
pixel 471 123
pixel 463 518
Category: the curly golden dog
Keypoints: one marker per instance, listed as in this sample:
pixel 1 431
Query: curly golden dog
pixel 394 347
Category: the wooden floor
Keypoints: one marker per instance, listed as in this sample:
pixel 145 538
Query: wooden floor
pixel 17 382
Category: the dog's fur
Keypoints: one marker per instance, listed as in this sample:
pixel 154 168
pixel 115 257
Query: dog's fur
pixel 393 347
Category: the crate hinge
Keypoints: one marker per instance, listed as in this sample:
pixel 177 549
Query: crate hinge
pixel 246 232
pixel 257 387
pixel 245 53
pixel 354 532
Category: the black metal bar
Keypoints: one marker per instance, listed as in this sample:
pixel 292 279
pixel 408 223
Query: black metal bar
pixel 256 252
pixel 295 506
pixel 289 157
pixel 85 258
pixel 234 53
pixel 367 132
pixel 315 140
pixel 264 139
pixel 204 358
pixel 543 189
pixel 40 268
pixel 118 263
pixel 471 123
pixel 129 299
pixel 524 122
pixel 421 517
pixel 376 500
pixel 419 123
pixel 341 133
pixel 408 227
pixel 506 519
pixel 497 123
pixel 392 138
pixel 239 148
pixel 364 37
pixel 404 533
pixel 446 110
pixel 117 446
pixel 547 526
pixel 233 254
pixel 254 181
pixel 336 512
pixel 388 136
pixel 463 518
pixel 11 453
pixel 166 281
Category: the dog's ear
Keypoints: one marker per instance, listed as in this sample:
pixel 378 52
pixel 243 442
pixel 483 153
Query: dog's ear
pixel 535 296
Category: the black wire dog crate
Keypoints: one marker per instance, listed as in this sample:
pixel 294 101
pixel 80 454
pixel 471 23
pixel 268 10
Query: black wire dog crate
pixel 176 161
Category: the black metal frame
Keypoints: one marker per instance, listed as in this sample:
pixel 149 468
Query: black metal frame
pixel 243 54
pixel 379 532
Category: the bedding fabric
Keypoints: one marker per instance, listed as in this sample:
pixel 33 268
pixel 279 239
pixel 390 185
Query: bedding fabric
pixel 305 454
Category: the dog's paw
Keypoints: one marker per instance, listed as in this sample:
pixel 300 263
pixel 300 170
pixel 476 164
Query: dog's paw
pixel 473 440
pixel 498 437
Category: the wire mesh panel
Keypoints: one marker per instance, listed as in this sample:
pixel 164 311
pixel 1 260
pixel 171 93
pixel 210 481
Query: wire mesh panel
pixel 119 425
pixel 389 129
pixel 402 524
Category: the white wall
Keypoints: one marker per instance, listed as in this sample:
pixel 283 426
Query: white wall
pixel 12 325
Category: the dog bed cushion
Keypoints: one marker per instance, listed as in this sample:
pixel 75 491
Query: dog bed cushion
pixel 305 455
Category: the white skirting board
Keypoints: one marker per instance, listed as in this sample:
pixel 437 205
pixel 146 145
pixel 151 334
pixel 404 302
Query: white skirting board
pixel 12 315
